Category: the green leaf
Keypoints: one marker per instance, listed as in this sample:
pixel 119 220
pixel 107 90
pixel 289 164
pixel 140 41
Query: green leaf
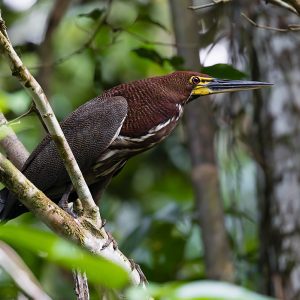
pixel 198 290
pixel 176 62
pixel 52 248
pixel 94 14
pixel 149 54
pixel 223 71
pixel 148 19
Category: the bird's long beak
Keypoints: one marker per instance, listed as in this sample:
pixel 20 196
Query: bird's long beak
pixel 213 86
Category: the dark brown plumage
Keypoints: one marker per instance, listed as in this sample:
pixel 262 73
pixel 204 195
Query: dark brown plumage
pixel 107 130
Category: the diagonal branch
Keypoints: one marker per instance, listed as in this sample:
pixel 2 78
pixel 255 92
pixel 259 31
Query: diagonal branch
pixel 80 230
pixel 86 230
pixel 49 119
pixel 21 274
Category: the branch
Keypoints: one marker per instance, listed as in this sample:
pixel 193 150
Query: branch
pixel 291 27
pixel 49 119
pixel 10 143
pixel 215 2
pixel 86 231
pixel 80 230
pixel 291 5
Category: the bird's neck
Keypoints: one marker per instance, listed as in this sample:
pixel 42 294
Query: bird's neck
pixel 150 109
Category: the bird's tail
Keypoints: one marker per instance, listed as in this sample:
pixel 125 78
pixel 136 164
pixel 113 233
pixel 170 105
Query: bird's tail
pixel 10 207
pixel 3 203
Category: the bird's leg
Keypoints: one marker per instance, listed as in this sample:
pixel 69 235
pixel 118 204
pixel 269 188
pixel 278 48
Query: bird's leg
pixel 139 270
pixel 64 204
pixel 98 188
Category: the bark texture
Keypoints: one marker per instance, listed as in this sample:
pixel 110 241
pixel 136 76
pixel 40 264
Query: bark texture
pixel 273 56
pixel 200 130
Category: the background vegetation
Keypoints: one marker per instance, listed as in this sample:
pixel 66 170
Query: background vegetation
pixel 150 206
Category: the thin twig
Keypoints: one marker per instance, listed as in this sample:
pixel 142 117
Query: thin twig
pixel 87 44
pixel 49 119
pixel 291 5
pixel 11 262
pixel 291 27
pixel 215 2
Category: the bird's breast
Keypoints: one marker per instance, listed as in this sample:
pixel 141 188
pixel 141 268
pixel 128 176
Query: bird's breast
pixel 124 147
pixel 152 136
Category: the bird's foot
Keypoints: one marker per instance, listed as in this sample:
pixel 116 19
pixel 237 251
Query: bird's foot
pixel 64 204
pixel 68 210
pixel 103 223
pixel 110 240
pixel 135 266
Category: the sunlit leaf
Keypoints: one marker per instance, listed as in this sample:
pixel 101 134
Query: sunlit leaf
pixel 55 249
pixel 223 71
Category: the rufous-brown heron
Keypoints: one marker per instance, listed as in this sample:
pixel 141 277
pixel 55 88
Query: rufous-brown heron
pixel 106 131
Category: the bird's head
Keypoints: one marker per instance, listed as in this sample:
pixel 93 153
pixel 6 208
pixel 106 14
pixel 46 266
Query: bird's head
pixel 193 85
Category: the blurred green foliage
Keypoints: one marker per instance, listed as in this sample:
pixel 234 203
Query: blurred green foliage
pixel 149 206
pixel 224 71
pixel 197 290
pixel 54 249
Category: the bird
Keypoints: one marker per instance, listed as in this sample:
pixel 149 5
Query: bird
pixel 106 131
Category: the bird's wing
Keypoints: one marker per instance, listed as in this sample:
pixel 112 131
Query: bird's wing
pixel 89 130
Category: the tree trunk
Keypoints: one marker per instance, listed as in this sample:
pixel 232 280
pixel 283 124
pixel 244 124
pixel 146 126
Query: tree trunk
pixel 277 57
pixel 200 130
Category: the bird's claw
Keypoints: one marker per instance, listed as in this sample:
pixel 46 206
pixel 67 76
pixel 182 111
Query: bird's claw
pixel 68 210
pixel 135 266
pixel 64 203
pixel 110 240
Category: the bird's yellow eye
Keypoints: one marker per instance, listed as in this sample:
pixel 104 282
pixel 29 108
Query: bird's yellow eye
pixel 195 80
